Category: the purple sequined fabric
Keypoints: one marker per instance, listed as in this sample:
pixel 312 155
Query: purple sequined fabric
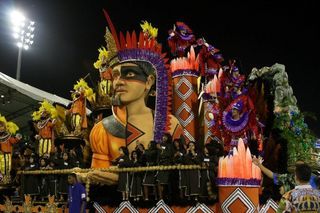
pixel 161 84
pixel 238 182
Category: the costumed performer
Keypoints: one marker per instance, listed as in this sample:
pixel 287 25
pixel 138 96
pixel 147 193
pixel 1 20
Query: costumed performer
pixel 8 130
pixel 44 122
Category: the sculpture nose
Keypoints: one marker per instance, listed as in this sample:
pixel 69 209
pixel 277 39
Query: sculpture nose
pixel 119 82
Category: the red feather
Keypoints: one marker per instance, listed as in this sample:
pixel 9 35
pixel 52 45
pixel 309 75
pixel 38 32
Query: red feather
pixel 122 41
pixel 141 40
pixel 159 47
pixel 147 44
pixel 128 38
pixel 112 28
pixel 134 39
pixel 152 42
pixel 218 85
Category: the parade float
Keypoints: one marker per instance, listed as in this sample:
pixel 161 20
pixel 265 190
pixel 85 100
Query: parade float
pixel 217 119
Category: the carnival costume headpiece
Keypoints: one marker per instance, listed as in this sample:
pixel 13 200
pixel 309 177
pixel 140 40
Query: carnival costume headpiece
pixel 182 26
pixel 213 86
pixel 45 107
pixel 148 29
pixel 235 69
pixel 101 63
pixel 132 48
pixel 88 92
pixel 238 105
pixel 11 127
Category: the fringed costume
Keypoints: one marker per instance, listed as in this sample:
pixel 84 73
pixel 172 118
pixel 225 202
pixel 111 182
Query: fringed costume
pixel 8 130
pixel 45 119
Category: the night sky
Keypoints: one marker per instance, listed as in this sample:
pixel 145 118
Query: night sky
pixel 68 34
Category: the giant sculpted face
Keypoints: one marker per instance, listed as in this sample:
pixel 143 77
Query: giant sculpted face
pixel 130 82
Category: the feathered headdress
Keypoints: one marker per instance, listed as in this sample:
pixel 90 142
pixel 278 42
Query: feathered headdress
pixel 102 58
pixel 238 105
pixel 191 62
pixel 11 127
pixel 45 107
pixel 213 86
pixel 182 26
pixel 147 28
pixel 88 92
pixel 139 48
pixel 235 69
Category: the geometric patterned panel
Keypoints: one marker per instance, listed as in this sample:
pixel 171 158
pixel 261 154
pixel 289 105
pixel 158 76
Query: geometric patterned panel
pixel 185 104
pixel 239 197
pixel 187 134
pixel 161 205
pixel 183 88
pixel 185 116
pixel 133 133
pixel 200 207
pixel 98 208
pixel 208 136
pixel 184 109
pixel 126 206
pixel 269 207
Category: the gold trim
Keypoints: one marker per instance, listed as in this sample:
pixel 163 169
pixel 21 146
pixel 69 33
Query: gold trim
pixel 114 169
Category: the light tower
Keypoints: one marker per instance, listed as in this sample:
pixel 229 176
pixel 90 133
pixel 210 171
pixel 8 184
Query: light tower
pixel 23 32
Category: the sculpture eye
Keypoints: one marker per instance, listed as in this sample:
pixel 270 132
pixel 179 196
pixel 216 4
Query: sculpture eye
pixel 130 74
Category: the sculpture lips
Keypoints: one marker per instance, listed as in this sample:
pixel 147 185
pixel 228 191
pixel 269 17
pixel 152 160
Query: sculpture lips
pixel 121 91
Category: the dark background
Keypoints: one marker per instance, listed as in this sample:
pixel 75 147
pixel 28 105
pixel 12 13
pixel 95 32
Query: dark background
pixel 260 33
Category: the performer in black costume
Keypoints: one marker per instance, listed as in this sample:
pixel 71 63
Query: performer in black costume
pixel 136 178
pixel 179 176
pixel 123 161
pixel 31 183
pixel 64 163
pixel 149 158
pixel 165 158
pixel 193 176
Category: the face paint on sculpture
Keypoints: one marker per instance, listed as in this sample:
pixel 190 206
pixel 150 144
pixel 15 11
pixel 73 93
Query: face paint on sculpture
pixel 130 111
pixel 130 82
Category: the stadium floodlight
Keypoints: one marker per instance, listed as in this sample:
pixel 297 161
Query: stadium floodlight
pixel 23 32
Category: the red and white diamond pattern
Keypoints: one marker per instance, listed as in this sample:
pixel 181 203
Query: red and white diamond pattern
pixel 183 95
pixel 238 194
